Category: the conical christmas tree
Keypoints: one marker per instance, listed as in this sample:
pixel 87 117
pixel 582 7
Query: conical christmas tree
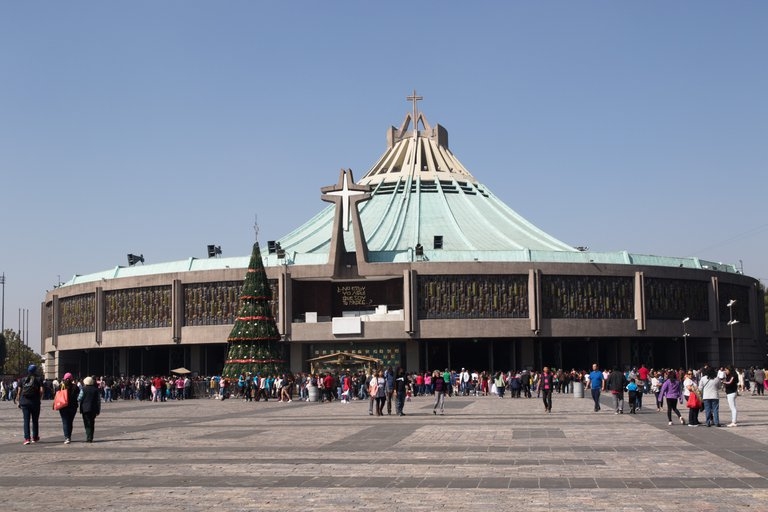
pixel 254 344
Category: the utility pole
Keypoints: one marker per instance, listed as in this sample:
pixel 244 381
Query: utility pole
pixel 2 315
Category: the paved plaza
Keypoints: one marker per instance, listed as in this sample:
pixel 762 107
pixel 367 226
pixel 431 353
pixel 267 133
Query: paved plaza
pixel 484 453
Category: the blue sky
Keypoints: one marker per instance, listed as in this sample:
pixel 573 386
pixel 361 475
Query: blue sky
pixel 160 127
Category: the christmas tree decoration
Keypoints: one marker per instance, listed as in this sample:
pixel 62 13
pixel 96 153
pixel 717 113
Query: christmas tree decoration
pixel 254 344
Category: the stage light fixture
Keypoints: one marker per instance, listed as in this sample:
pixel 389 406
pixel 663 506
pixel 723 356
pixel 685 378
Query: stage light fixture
pixel 133 259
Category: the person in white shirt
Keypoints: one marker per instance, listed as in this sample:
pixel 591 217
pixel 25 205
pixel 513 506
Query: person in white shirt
pixel 689 386
pixel 709 385
pixel 464 384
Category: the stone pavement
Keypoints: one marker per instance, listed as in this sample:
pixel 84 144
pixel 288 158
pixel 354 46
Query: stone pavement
pixel 484 453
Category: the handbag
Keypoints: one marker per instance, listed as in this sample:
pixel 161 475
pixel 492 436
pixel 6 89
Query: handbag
pixel 61 399
pixel 694 402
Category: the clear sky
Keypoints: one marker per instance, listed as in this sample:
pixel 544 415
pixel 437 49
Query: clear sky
pixel 158 128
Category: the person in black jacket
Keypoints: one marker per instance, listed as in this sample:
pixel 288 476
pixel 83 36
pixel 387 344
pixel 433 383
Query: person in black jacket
pixel 90 406
pixel 401 385
pixel 28 394
pixel 615 384
pixel 69 412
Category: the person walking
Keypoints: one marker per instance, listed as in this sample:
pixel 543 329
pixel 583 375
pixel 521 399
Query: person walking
pixel 440 390
pixel 389 378
pixel 731 386
pixel 381 393
pixel 656 382
pixel 401 385
pixel 632 392
pixel 546 385
pixel 671 390
pixel 596 384
pixel 346 388
pixel 642 382
pixel 28 396
pixel 90 407
pixel 616 384
pixel 500 384
pixel 373 389
pixel 69 411
pixel 759 376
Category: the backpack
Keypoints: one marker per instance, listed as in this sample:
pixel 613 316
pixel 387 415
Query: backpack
pixel 28 390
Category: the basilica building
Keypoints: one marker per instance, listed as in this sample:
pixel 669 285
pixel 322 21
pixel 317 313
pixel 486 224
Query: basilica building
pixel 414 264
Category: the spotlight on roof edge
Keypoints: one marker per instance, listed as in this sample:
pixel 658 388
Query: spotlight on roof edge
pixel 582 248
pixel 214 250
pixel 133 259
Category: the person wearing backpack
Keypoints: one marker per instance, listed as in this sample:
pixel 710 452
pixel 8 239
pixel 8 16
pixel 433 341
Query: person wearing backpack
pixel 30 392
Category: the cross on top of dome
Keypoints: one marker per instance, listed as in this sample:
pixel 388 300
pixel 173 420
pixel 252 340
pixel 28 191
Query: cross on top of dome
pixel 415 99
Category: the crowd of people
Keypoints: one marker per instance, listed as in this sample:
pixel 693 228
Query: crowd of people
pixel 665 389
pixel 698 389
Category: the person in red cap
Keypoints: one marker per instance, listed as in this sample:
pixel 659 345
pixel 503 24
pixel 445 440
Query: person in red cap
pixel 69 412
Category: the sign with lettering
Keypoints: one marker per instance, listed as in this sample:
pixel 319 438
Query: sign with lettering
pixel 353 295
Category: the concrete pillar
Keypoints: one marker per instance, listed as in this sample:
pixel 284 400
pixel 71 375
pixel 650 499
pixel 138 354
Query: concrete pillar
pixel 412 355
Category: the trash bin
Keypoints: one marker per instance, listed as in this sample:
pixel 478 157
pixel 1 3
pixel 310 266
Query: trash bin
pixel 314 393
pixel 578 390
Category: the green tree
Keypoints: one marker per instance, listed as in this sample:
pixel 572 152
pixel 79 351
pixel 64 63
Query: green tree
pixel 254 343
pixel 17 354
pixel 3 353
pixel 765 305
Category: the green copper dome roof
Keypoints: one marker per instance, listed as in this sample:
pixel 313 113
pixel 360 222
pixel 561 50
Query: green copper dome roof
pixel 419 190
pixel 415 193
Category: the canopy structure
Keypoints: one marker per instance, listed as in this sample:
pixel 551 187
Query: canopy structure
pixel 342 361
pixel 181 371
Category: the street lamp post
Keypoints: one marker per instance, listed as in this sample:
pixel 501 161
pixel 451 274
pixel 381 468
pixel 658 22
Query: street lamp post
pixel 18 344
pixel 2 308
pixel 731 323
pixel 685 340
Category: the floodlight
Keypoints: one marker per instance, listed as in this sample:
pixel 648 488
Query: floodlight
pixel 133 259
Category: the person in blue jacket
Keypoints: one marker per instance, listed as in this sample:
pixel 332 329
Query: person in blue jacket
pixel 596 385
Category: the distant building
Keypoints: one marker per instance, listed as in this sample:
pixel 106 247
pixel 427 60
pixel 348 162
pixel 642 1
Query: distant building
pixel 417 264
